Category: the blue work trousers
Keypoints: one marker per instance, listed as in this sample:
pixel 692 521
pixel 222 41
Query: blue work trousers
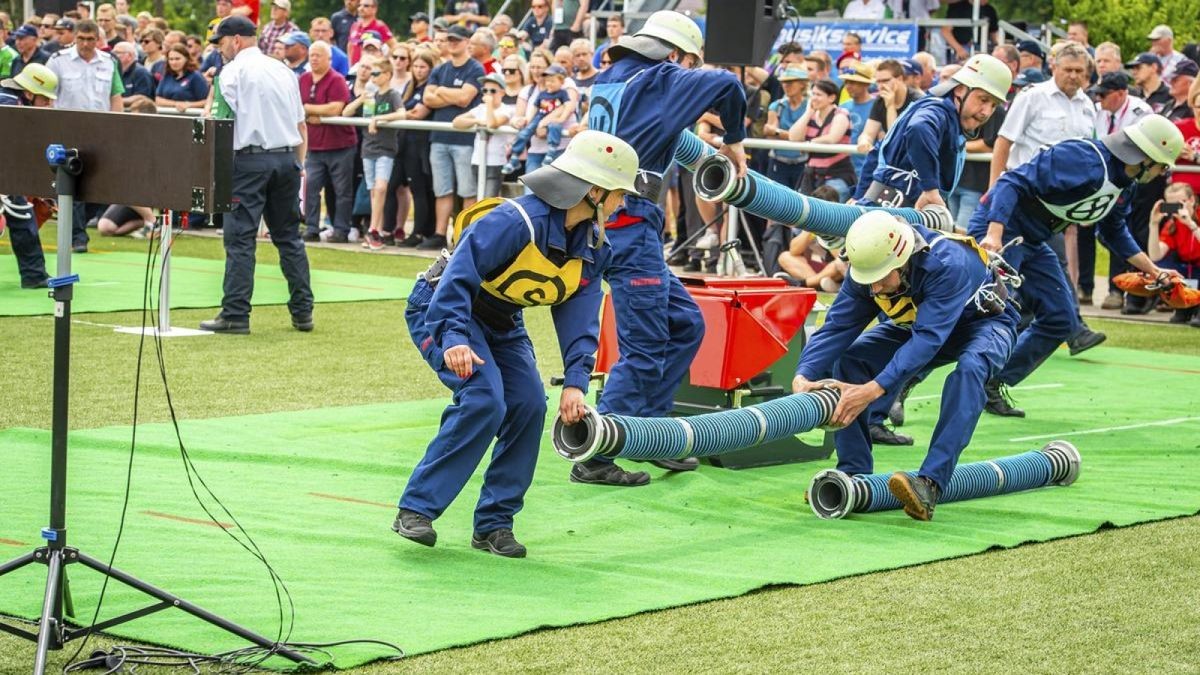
pixel 503 399
pixel 26 246
pixel 659 326
pixel 1055 312
pixel 979 349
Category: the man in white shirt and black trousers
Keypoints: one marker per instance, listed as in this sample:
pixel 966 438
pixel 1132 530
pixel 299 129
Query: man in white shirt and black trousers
pixel 269 144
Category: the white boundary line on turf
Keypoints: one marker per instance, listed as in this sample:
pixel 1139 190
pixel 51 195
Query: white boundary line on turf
pixel 1160 423
pixel 929 397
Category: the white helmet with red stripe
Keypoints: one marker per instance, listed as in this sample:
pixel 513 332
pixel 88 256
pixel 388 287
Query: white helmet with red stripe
pixel 876 244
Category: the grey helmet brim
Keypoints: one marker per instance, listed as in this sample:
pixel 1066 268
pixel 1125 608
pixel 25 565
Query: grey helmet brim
pixel 1118 143
pixel 649 47
pixel 556 187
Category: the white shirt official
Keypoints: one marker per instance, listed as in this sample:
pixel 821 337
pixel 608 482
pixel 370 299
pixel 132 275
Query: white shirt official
pixel 84 85
pixel 1043 115
pixel 265 100
pixel 1125 116
pixel 864 9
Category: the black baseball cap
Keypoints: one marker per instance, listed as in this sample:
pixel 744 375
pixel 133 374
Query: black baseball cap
pixel 1145 59
pixel 458 32
pixel 419 16
pixel 231 26
pixel 1032 47
pixel 1111 82
pixel 1187 67
pixel 64 24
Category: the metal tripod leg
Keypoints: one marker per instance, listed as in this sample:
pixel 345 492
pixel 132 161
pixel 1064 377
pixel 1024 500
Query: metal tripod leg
pixel 50 631
pixel 174 601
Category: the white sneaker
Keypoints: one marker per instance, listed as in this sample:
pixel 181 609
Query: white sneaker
pixel 353 236
pixel 709 240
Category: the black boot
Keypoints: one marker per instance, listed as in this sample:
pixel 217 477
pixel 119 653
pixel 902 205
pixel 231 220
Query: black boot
pixel 896 412
pixel 596 472
pixel 881 435
pixel 414 526
pixel 1183 315
pixel 501 542
pixel 1084 340
pixel 999 402
pixel 685 464
pixel 918 495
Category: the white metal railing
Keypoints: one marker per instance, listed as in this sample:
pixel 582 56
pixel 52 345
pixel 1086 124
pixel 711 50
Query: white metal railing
pixel 763 143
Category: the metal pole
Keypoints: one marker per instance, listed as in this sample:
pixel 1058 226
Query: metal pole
pixel 481 178
pixel 164 284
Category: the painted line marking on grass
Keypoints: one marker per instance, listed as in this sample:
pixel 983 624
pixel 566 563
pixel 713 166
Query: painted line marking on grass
pixel 1186 371
pixel 181 519
pixel 12 542
pixel 1031 387
pixel 352 500
pixel 1125 427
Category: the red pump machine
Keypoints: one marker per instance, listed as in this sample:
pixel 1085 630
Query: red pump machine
pixel 754 333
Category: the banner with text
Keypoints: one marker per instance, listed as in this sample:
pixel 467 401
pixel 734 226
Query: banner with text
pixel 879 40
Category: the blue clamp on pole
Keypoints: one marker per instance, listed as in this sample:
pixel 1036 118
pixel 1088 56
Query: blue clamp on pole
pixel 59 282
pixel 49 534
pixel 56 154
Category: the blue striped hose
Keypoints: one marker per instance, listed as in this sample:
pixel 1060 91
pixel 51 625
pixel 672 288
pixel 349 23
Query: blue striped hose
pixel 715 180
pixel 697 436
pixel 833 494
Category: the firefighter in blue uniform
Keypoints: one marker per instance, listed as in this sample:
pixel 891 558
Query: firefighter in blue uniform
pixel 946 304
pixel 922 157
pixel 1085 181
pixel 35 85
pixel 465 316
pixel 650 95
pixel 923 153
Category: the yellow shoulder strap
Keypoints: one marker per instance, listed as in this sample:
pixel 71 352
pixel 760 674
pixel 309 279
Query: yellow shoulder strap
pixel 468 216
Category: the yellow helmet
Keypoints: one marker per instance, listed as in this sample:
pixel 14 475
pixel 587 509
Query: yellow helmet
pixel 34 78
pixel 876 244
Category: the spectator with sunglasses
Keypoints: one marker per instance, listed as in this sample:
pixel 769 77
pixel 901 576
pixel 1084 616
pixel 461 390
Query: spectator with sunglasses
pixel 513 70
pixel 491 114
pixel 538 24
pixel 380 103
pixel 397 197
pixel 152 47
pixel 367 22
pixel 414 164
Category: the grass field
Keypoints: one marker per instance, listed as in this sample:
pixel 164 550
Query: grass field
pixel 1118 600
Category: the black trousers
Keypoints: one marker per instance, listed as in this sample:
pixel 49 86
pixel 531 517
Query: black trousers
pixel 329 169
pixel 266 186
pixel 412 169
pixel 80 215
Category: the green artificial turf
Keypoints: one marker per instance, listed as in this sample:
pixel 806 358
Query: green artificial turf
pixel 115 281
pixel 316 490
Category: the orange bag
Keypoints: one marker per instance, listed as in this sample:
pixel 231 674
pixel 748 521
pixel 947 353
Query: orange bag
pixel 1179 296
pixel 1135 283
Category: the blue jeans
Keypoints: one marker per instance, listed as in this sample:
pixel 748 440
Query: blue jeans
pixel 553 135
pixel 962 203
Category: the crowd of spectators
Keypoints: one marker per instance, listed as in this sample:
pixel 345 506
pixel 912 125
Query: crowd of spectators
pixel 476 71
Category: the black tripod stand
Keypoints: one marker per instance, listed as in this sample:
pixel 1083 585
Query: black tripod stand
pixel 53 630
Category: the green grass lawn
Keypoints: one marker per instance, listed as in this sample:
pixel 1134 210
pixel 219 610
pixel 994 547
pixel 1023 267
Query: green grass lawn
pixel 1118 600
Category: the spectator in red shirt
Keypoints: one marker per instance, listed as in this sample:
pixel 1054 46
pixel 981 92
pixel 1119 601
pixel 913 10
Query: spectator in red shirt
pixel 482 45
pixel 330 159
pixel 1175 240
pixel 1191 141
pixel 367 21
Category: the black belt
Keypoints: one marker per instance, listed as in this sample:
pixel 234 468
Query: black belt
pixel 649 185
pixel 884 195
pixel 496 317
pixel 260 150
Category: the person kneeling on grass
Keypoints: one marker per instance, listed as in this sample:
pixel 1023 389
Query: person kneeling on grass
pixel 465 317
pixel 380 103
pixel 946 305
